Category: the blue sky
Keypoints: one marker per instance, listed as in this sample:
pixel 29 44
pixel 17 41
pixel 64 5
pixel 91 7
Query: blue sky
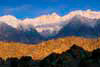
pixel 34 8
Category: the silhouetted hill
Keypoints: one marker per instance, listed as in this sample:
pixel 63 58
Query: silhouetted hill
pixel 74 57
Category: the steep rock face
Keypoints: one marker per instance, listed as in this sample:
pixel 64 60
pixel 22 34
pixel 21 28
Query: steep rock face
pixel 97 27
pixel 7 32
pixel 30 35
pixel 77 27
pixel 10 34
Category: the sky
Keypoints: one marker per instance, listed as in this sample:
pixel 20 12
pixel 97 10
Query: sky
pixel 35 8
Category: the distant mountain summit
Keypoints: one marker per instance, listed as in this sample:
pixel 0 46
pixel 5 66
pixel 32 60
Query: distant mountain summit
pixel 10 34
pixel 77 27
pixel 85 13
pixel 84 23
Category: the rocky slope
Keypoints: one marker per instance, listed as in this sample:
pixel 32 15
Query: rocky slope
pixel 42 50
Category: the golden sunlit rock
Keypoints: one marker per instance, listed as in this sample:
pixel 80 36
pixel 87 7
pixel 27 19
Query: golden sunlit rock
pixel 40 51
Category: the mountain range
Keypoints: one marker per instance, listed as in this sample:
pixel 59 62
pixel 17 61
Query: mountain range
pixel 10 34
pixel 85 23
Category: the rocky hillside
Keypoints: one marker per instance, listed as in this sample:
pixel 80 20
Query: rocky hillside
pixel 40 51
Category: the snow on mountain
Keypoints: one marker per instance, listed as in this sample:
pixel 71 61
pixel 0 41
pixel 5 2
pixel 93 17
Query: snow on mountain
pixel 10 20
pixel 85 13
pixel 81 23
pixel 47 19
pixel 86 16
pixel 10 34
pixel 77 28
pixel 50 24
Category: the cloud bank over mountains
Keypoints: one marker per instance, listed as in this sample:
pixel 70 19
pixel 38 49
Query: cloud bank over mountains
pixel 51 24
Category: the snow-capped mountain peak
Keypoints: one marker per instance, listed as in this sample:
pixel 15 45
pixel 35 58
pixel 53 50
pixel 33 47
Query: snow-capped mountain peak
pixel 52 22
pixel 10 20
pixel 85 13
pixel 47 19
pixel 50 18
